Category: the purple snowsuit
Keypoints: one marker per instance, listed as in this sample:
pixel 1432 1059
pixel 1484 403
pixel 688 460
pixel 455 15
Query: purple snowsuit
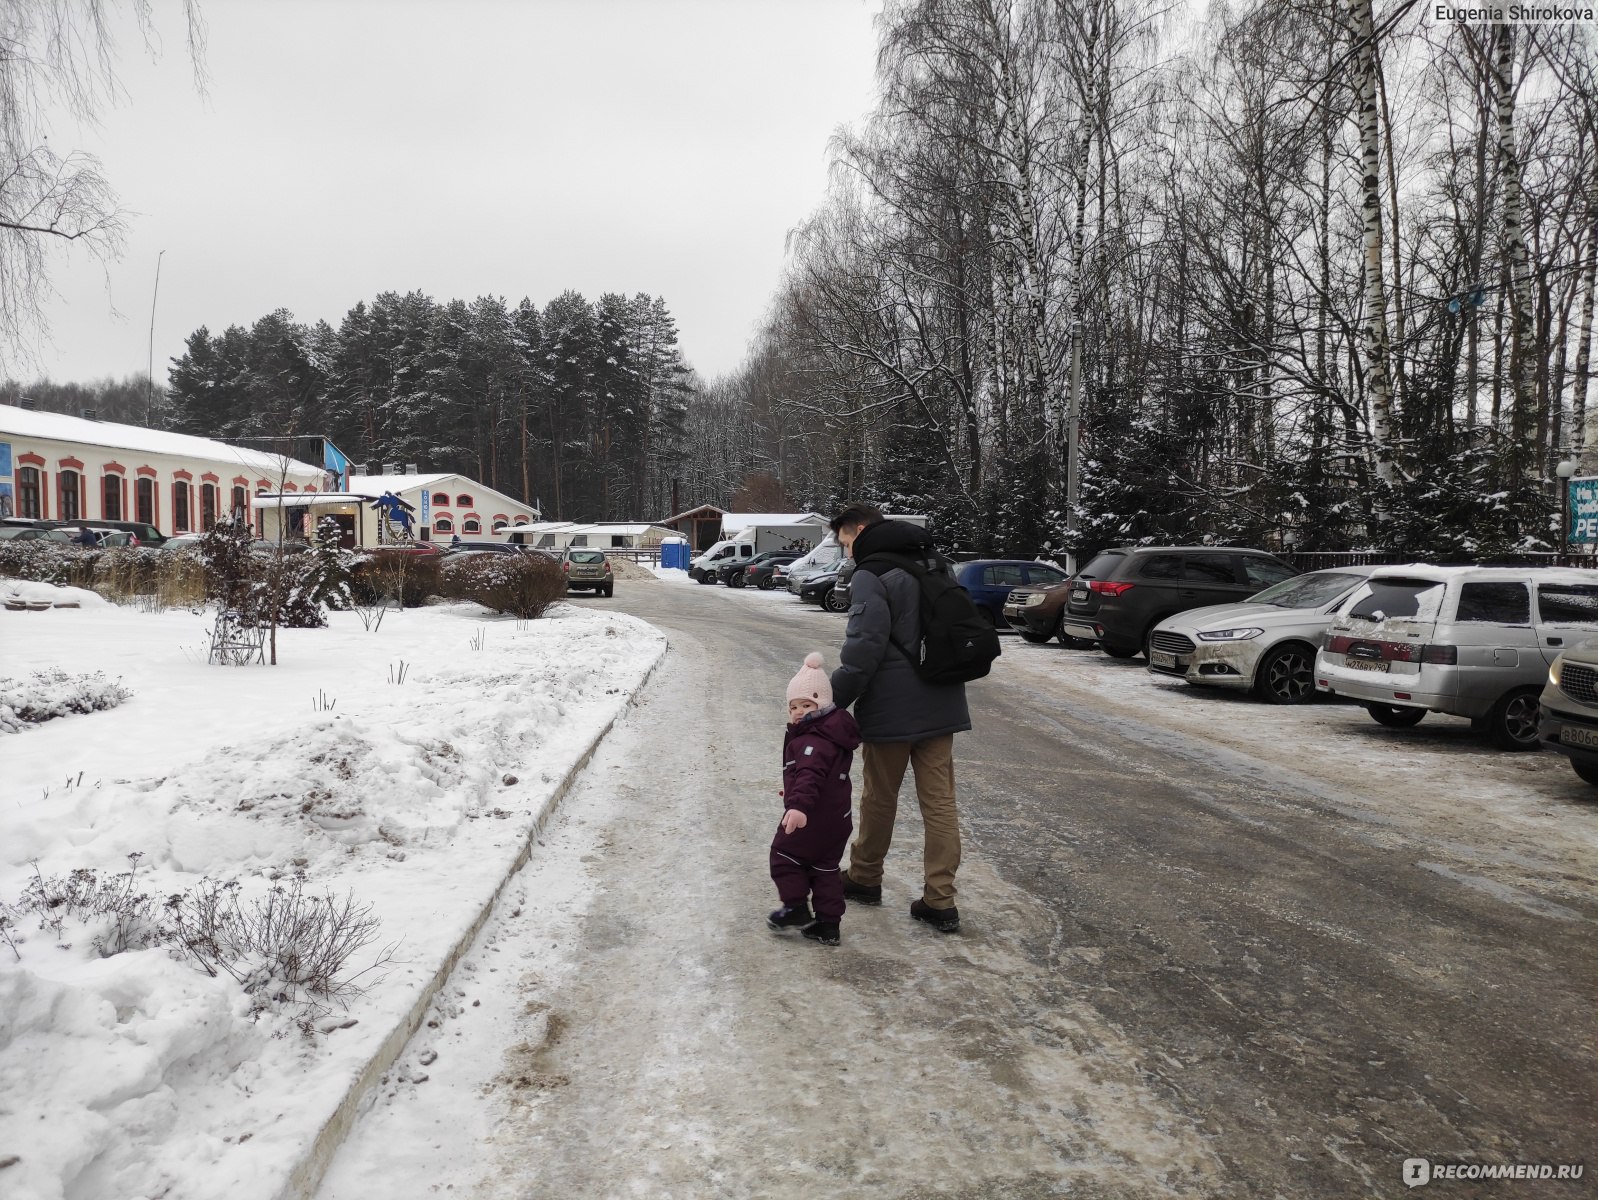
pixel 817 754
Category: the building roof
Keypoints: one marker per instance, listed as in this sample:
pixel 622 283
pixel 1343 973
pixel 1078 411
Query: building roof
pixel 733 524
pixel 693 512
pixel 376 485
pixel 21 422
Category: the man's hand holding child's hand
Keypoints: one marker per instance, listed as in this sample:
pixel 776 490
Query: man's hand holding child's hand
pixel 793 819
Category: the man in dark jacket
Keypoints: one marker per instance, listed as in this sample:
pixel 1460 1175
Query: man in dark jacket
pixel 904 721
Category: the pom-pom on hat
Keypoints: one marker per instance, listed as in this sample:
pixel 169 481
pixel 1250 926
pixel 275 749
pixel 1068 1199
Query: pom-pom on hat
pixel 812 683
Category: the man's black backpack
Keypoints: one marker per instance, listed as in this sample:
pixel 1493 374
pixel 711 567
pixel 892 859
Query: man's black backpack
pixel 957 642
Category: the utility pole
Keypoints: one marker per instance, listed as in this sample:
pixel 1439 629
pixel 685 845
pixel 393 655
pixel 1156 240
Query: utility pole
pixel 1073 422
pixel 149 368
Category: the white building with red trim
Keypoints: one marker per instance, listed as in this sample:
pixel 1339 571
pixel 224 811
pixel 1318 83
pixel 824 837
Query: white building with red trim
pixel 62 468
pixel 442 506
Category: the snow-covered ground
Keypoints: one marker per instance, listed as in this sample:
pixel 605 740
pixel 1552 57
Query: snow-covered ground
pixel 137 1074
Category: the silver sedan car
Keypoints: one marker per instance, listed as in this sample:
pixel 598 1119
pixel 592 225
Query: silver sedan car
pixel 1266 644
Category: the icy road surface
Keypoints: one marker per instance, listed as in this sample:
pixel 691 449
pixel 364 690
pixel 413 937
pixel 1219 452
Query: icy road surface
pixel 1210 949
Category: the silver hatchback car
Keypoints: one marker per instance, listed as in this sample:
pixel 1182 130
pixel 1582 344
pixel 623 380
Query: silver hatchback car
pixel 1476 642
pixel 1266 644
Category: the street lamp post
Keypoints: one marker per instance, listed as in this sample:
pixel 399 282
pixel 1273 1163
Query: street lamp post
pixel 1565 470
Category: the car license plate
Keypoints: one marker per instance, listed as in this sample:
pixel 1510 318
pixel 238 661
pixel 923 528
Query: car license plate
pixel 1080 595
pixel 1574 735
pixel 1378 665
pixel 1162 658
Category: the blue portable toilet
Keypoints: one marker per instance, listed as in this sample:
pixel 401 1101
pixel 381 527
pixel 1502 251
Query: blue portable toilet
pixel 674 553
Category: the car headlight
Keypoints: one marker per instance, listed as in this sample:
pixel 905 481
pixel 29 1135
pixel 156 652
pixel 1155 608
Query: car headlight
pixel 1031 598
pixel 1229 635
pixel 1555 670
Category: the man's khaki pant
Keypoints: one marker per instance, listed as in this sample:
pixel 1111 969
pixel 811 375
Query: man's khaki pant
pixel 884 764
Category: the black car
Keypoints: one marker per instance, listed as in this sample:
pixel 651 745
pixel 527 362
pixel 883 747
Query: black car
pixel 732 572
pixel 1122 594
pixel 830 587
pixel 759 572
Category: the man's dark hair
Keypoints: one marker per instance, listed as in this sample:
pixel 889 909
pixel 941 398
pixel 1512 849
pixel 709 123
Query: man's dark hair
pixel 857 514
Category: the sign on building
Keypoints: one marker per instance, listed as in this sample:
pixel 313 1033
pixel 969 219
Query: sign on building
pixel 8 496
pixel 1583 510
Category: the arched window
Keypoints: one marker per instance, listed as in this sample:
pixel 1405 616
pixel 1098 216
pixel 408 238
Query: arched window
pixel 208 506
pixel 440 499
pixel 463 501
pixel 241 504
pixel 28 495
pixel 471 525
pixel 144 500
pixel 180 507
pixel 500 524
pixel 443 525
pixel 67 484
pixel 111 497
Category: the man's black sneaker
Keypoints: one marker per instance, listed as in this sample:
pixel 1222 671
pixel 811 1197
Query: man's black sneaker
pixel 944 920
pixel 859 893
pixel 790 918
pixel 825 932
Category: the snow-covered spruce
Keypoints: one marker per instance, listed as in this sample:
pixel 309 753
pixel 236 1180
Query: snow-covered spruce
pixel 45 695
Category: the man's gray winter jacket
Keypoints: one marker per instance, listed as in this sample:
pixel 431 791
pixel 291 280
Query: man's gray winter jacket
pixel 891 702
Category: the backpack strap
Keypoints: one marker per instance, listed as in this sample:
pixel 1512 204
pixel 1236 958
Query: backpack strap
pixel 879 565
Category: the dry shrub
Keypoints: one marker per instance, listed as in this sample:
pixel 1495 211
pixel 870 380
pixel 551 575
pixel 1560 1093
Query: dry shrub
pixel 523 585
pixel 157 578
pixel 394 576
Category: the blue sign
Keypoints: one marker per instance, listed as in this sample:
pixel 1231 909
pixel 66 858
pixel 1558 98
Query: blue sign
pixel 336 462
pixel 5 460
pixel 1583 511
pixel 427 508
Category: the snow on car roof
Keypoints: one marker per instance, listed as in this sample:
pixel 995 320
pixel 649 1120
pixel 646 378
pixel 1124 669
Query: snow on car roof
pixel 1486 574
pixel 22 422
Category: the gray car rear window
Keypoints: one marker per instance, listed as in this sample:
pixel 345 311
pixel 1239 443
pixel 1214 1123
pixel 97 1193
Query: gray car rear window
pixel 1495 603
pixel 1399 598
pixel 587 556
pixel 1103 565
pixel 1568 603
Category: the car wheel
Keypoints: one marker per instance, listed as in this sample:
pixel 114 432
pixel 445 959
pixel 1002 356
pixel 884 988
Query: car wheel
pixel 1587 772
pixel 1115 651
pixel 737 580
pixel 765 583
pixel 610 589
pixel 1286 675
pixel 707 578
pixel 1396 716
pixel 1512 723
pixel 1037 639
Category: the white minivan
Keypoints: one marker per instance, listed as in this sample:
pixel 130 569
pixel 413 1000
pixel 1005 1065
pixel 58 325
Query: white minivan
pixel 1476 642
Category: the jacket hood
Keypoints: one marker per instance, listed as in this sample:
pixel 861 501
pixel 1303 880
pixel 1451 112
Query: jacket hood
pixel 836 726
pixel 892 537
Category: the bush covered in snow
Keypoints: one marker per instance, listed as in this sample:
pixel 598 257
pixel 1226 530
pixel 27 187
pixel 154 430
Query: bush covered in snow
pixel 48 562
pixel 53 693
pixel 121 573
pixel 522 585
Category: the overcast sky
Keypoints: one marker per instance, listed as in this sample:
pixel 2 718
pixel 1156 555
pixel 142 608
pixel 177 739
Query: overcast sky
pixel 515 147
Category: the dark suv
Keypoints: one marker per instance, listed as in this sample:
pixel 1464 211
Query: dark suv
pixel 1119 597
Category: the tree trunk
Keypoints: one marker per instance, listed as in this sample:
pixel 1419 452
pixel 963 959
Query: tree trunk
pixel 1377 381
pixel 1516 262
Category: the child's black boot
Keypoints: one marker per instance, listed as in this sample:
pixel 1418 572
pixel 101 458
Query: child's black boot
pixel 790 916
pixel 825 932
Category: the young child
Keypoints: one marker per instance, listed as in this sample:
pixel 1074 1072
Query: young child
pixel 818 749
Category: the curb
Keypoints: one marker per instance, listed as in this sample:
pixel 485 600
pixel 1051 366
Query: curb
pixel 306 1176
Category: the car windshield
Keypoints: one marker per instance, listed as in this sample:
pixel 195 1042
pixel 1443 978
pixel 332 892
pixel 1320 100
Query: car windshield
pixel 1103 565
pixel 1380 599
pixel 1307 591
pixel 587 556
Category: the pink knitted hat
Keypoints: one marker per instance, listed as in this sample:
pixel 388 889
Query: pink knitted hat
pixel 812 683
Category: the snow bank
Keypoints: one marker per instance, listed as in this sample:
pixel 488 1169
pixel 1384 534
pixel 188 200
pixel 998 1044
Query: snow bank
pixel 671 574
pixel 57 595
pixel 138 1075
pixel 45 695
